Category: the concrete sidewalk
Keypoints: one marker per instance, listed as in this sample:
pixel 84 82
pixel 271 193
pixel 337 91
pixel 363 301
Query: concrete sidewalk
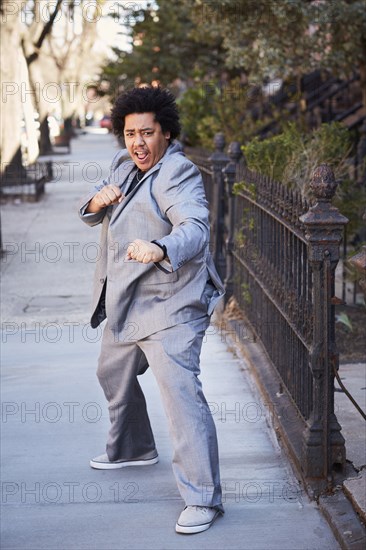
pixel 54 416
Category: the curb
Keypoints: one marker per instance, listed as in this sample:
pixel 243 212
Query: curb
pixel 344 521
pixel 337 509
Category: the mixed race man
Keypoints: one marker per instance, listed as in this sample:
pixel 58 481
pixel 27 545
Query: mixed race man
pixel 157 286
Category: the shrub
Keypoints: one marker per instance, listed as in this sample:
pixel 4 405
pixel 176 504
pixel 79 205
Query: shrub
pixel 292 156
pixel 211 107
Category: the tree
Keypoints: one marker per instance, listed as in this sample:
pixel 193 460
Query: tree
pixel 40 18
pixel 341 37
pixel 57 42
pixel 253 33
pixel 47 61
pixel 288 37
pixel 74 56
pixel 11 112
pixel 162 47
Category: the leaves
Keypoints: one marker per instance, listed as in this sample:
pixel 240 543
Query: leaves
pixel 344 320
pixel 163 47
pixel 285 37
pixel 231 107
pixel 292 156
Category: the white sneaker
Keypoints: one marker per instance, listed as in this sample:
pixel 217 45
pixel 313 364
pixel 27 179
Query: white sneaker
pixel 102 462
pixel 195 519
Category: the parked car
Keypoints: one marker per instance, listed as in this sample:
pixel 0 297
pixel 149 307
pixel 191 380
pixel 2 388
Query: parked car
pixel 105 122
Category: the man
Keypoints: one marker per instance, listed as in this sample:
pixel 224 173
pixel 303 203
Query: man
pixel 157 286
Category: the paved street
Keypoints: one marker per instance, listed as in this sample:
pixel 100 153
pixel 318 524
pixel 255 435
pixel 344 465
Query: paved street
pixel 54 416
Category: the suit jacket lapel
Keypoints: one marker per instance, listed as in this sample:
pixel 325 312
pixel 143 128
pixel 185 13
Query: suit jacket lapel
pixel 126 184
pixel 124 187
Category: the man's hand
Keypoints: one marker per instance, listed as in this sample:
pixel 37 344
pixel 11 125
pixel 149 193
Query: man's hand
pixel 144 252
pixel 110 194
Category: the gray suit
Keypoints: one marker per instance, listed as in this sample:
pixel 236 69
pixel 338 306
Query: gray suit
pixel 157 313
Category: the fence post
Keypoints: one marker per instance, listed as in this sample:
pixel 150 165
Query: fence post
pixel 323 441
pixel 229 171
pixel 218 161
pixel 361 155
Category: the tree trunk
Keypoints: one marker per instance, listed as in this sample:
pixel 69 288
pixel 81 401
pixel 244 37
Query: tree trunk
pixel 40 70
pixel 12 170
pixel 363 81
pixel 39 86
pixel 45 144
pixel 68 127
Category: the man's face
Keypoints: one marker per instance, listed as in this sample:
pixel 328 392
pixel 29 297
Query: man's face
pixel 145 140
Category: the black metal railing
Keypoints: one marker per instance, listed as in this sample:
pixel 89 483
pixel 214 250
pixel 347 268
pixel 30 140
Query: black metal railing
pixel 278 253
pixel 273 282
pixel 27 183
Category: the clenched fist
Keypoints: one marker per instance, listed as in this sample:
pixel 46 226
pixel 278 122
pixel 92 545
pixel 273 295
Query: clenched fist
pixel 144 252
pixel 109 194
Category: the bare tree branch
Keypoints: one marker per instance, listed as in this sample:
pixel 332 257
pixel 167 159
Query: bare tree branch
pixel 45 31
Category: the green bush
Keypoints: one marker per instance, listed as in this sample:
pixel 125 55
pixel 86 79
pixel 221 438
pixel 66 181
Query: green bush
pixel 208 108
pixel 292 156
pixel 194 106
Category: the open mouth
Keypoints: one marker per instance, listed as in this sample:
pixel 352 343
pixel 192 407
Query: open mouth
pixel 141 155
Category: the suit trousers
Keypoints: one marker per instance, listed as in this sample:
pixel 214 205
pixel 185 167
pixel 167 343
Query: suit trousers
pixel 173 355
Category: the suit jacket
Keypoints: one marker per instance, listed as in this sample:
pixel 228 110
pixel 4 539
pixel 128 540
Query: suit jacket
pixel 167 205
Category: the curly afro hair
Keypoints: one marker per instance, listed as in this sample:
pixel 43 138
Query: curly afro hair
pixel 157 100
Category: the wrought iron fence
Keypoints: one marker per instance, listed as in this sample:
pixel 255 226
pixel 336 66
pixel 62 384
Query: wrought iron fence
pixel 272 278
pixel 27 183
pixel 278 254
